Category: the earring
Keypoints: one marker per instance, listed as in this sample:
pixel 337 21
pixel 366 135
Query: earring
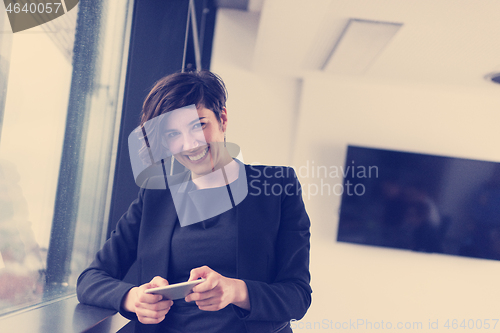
pixel 224 139
pixel 172 160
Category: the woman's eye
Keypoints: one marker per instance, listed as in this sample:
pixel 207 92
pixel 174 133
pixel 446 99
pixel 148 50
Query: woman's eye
pixel 171 135
pixel 199 125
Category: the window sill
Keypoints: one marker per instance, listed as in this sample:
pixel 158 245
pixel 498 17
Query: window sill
pixel 64 316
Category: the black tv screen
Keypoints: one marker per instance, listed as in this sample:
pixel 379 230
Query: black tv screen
pixel 421 202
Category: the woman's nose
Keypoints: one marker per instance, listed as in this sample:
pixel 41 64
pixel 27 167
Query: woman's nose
pixel 190 142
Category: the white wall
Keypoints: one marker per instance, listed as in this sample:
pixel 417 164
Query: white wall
pixel 369 283
pixel 262 109
pixel 311 122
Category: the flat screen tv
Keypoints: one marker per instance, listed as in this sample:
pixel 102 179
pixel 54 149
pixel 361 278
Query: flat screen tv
pixel 421 202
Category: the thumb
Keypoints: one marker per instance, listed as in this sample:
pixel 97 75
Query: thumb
pixel 145 286
pixel 200 272
pixel 158 281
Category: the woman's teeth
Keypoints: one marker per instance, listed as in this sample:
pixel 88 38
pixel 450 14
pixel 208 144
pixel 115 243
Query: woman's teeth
pixel 199 156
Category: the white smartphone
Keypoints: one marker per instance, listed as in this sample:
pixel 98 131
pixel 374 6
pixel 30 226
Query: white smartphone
pixel 175 291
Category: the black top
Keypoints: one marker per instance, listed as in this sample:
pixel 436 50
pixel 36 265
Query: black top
pixel 212 242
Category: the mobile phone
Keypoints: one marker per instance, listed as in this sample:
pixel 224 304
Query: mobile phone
pixel 175 291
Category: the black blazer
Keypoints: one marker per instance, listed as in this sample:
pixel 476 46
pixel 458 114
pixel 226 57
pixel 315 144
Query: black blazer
pixel 273 250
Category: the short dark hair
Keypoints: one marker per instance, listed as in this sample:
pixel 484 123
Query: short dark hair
pixel 174 91
pixel 202 88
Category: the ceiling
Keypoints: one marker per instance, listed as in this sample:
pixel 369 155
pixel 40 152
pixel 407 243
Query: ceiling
pixel 440 41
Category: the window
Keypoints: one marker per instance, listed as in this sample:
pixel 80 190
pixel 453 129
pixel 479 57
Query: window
pixel 61 87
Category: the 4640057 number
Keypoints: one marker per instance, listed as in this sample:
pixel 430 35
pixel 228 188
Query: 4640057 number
pixel 34 8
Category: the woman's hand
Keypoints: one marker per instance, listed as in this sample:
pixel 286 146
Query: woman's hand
pixel 149 308
pixel 217 291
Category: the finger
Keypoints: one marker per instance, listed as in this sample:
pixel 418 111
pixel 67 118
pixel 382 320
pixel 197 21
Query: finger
pixel 147 298
pixel 156 307
pixel 146 320
pixel 210 308
pixel 216 301
pixel 164 305
pixel 212 280
pixel 146 313
pixel 158 281
pixel 150 317
pixel 199 272
pixel 210 305
pixel 153 313
pixel 200 296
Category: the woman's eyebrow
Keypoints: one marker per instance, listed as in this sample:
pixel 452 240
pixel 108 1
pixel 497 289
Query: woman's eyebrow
pixel 191 123
pixel 196 120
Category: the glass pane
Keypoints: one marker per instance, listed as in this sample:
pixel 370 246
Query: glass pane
pixel 37 72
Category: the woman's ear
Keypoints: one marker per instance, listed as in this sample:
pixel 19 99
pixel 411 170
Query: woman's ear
pixel 223 119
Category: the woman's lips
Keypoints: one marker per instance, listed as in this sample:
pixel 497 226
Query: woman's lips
pixel 199 156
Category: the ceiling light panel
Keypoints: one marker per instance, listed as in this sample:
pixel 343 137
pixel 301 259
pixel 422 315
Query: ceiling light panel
pixel 359 45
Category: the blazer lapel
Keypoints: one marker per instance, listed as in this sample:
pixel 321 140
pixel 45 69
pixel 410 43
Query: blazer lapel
pixel 255 229
pixel 154 252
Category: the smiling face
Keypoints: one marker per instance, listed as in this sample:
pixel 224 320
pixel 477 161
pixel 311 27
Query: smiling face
pixel 195 138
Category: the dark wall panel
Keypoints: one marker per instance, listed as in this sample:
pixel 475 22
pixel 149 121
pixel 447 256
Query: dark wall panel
pixel 156 49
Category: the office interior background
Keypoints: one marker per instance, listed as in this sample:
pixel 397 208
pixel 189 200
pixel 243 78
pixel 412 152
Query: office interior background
pixel 305 79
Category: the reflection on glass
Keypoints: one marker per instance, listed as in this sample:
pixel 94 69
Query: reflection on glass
pixel 20 279
pixel 36 74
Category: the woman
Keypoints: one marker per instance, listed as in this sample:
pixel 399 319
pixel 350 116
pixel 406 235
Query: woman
pixel 252 249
